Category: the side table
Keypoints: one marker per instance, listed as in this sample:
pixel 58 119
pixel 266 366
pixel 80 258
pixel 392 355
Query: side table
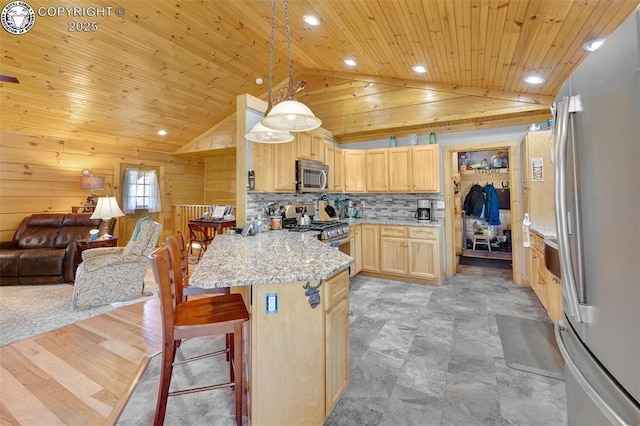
pixel 86 243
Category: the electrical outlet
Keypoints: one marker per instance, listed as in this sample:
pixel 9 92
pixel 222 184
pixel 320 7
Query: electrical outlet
pixel 440 205
pixel 272 303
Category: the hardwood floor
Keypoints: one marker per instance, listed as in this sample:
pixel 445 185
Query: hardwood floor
pixel 81 374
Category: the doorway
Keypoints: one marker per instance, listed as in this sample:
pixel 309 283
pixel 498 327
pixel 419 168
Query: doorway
pixel 125 225
pixel 460 230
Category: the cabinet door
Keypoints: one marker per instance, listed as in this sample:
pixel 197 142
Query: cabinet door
pixel 263 166
pixel 554 286
pixel 356 250
pixel 304 145
pixel 329 160
pixel 285 167
pixel 425 168
pixel 393 255
pixel 424 259
pixel 400 169
pixel 376 170
pixel 354 166
pixel 337 354
pixel 317 148
pixel 338 160
pixel 370 248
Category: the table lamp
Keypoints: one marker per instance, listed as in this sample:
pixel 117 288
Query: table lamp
pixel 106 209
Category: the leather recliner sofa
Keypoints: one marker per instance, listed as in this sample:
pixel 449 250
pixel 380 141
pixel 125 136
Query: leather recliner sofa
pixel 43 248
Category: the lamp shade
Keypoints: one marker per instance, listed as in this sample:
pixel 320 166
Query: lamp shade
pixel 291 116
pixel 262 134
pixel 107 208
pixel 92 182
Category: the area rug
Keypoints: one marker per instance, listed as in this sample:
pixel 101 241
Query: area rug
pixel 29 310
pixel 530 345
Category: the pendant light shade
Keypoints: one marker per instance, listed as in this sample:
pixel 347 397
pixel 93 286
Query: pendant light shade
pixel 262 134
pixel 291 115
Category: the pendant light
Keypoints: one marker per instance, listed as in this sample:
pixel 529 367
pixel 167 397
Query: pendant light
pixel 260 133
pixel 288 115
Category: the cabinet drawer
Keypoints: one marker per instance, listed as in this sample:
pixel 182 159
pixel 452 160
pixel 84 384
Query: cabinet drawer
pixel 336 289
pixel 422 233
pixel 393 231
pixel 537 241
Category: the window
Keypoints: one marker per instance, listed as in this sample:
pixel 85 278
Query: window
pixel 141 191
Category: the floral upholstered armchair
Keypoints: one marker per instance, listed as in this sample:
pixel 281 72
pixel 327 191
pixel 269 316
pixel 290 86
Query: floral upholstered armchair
pixel 116 274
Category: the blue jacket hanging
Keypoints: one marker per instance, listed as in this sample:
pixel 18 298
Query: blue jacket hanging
pixel 492 205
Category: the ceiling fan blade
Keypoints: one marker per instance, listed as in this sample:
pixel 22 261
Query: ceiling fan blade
pixel 8 78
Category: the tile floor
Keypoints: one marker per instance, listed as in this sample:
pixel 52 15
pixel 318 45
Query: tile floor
pixel 423 355
pixel 420 355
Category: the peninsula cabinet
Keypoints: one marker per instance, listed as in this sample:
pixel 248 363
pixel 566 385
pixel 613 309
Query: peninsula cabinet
pixel 355 249
pixel 377 171
pixel 370 248
pixel 354 168
pixel 336 300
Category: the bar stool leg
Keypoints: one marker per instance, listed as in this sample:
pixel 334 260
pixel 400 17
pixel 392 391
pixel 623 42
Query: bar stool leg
pixel 237 366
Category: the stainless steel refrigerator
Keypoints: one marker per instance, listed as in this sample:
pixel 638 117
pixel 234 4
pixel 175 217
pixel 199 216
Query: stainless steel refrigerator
pixel 597 194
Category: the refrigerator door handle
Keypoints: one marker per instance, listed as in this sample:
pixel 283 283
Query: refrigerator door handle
pixel 562 221
pixel 604 407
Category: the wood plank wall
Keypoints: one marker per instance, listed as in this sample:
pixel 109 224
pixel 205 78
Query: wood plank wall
pixel 220 173
pixel 42 174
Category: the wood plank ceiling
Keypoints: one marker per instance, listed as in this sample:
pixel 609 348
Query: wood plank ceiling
pixel 179 65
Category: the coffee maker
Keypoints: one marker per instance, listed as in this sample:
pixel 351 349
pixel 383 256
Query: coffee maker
pixel 423 213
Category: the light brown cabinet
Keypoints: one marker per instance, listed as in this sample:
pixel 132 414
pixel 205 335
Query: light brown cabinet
pixel 545 285
pixel 399 162
pixel 410 251
pixel 356 249
pixel 333 157
pixel 377 171
pixel 537 188
pixel 310 147
pixel 425 168
pixel 370 248
pixel 354 167
pixel 284 167
pixel 336 339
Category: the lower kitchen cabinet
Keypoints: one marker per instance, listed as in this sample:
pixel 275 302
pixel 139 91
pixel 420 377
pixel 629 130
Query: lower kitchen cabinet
pixel 370 248
pixel 336 339
pixel 545 285
pixel 407 252
pixel 356 249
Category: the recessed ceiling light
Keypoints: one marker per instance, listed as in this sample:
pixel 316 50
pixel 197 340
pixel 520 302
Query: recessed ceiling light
pixel 592 45
pixel 534 79
pixel 162 132
pixel 259 81
pixel 350 62
pixel 311 20
pixel 419 69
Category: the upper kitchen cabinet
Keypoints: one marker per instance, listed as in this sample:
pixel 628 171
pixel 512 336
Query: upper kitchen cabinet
pixel 399 170
pixel 333 157
pixel 377 171
pixel 284 167
pixel 310 146
pixel 425 168
pixel 354 170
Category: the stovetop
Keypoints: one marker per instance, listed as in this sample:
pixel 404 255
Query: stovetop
pixel 329 230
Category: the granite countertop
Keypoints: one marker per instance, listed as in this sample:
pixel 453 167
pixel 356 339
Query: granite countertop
pixel 397 222
pixel 545 231
pixel 267 258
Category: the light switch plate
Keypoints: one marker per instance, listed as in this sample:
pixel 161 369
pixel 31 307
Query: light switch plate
pixel 272 303
pixel 440 205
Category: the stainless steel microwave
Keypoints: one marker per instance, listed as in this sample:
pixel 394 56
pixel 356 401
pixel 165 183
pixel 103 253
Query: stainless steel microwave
pixel 311 176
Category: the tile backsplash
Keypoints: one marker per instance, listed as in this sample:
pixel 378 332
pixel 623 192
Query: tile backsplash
pixel 372 206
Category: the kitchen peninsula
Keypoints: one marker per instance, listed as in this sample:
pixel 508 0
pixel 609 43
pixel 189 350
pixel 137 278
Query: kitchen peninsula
pixel 297 348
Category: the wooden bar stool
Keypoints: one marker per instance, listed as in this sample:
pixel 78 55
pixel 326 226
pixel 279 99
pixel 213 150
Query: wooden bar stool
pixel 209 316
pixel 482 240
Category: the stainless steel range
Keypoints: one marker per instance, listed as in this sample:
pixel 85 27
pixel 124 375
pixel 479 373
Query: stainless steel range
pixel 332 232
